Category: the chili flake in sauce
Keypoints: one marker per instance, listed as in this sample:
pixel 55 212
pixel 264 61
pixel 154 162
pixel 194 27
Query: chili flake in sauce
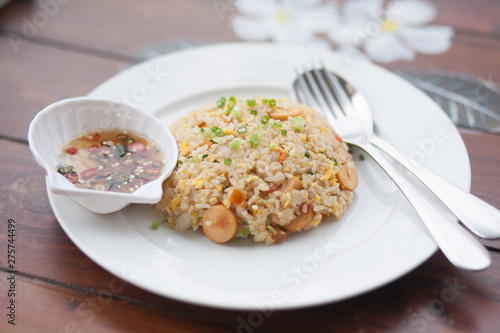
pixel 111 160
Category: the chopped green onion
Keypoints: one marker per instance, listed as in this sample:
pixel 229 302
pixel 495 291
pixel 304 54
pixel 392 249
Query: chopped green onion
pixel 271 229
pixel 277 124
pixel 189 157
pixel 264 100
pixel 283 132
pixel 179 162
pixel 204 155
pixel 245 232
pixel 362 157
pixel 198 219
pixel 228 161
pixel 254 141
pixel 265 119
pixel 309 172
pixel 221 102
pixel 196 160
pixel 272 146
pixel 235 144
pixel 217 131
pixel 236 113
pixel 298 123
pixel 307 154
pixel 322 152
pixel 272 103
pixel 202 130
pixel 253 112
pixel 242 129
pixel 228 111
pixel 155 224
pixel 292 152
pixel 212 140
pixel 251 102
pixel 232 101
pixel 333 159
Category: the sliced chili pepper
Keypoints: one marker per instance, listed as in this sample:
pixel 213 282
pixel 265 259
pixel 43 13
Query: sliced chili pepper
pixel 152 171
pixel 71 150
pixel 65 169
pixel 136 147
pixel 96 137
pixel 88 173
pixel 122 137
pixel 121 178
pixel 122 150
pixel 72 177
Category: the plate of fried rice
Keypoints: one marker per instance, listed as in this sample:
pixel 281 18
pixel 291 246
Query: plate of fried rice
pixel 267 208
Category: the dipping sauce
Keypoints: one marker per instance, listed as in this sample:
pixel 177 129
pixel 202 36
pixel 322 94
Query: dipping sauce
pixel 110 160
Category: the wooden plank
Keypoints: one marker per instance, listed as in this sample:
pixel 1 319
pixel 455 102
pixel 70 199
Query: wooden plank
pixel 128 27
pixel 37 76
pixel 474 56
pixel 435 297
pixel 475 16
pixel 134 27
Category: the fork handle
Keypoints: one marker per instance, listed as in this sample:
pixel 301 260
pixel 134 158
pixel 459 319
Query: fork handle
pixel 461 249
pixel 480 217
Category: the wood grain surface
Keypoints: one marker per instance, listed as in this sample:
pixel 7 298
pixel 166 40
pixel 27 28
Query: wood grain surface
pixel 59 289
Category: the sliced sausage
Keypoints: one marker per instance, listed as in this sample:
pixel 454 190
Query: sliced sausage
pixel 301 221
pixel 347 177
pixel 280 114
pixel 219 223
pixel 292 183
pixel 279 236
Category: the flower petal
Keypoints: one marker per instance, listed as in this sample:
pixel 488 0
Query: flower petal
pixel 430 39
pixel 251 29
pixel 351 52
pixel 319 19
pixel 347 33
pixel 387 48
pixel 411 12
pixel 366 10
pixel 301 3
pixel 256 8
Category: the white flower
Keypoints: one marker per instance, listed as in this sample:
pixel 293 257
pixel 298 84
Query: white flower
pixel 391 34
pixel 288 21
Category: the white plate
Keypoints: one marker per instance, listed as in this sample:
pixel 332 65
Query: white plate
pixel 378 240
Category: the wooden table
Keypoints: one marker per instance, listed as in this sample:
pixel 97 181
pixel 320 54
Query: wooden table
pixel 78 44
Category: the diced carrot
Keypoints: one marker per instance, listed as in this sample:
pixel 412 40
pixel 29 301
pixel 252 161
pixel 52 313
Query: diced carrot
pixel 339 138
pixel 238 197
pixel 208 143
pixel 282 157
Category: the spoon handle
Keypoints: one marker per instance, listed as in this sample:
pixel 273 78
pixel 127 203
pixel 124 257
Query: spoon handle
pixel 461 249
pixel 480 217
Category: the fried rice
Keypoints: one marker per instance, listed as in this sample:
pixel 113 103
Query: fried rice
pixel 269 162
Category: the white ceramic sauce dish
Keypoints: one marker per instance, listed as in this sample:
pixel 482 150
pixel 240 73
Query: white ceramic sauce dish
pixel 59 123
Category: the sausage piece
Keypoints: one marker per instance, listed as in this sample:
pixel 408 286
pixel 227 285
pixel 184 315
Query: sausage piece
pixel 283 115
pixel 219 223
pixel 347 177
pixel 279 236
pixel 292 183
pixel 301 221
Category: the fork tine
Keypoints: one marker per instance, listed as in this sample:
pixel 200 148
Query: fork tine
pixel 328 94
pixel 338 91
pixel 320 102
pixel 302 90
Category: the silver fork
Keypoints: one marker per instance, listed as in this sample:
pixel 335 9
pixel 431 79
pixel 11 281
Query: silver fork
pixel 461 249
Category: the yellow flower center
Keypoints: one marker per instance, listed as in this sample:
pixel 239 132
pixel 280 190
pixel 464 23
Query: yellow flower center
pixel 389 25
pixel 282 16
